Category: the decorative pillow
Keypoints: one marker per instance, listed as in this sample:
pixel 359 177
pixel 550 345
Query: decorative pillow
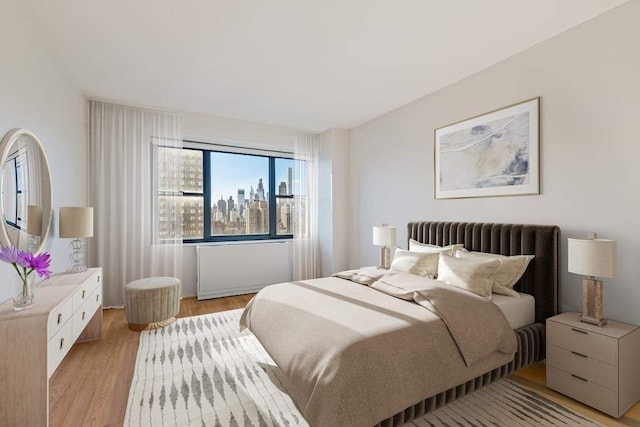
pixel 472 275
pixel 415 246
pixel 510 271
pixel 420 264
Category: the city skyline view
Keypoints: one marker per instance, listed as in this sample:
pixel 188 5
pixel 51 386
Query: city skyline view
pixel 230 213
pixel 231 172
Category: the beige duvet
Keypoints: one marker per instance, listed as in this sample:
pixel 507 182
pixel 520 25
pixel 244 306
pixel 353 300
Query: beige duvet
pixel 356 351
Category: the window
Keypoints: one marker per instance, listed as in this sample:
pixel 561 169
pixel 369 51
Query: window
pixel 180 182
pixel 287 205
pixel 14 171
pixel 227 195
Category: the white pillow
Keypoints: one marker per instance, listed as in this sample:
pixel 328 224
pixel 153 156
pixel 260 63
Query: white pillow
pixel 510 271
pixel 415 246
pixel 420 264
pixel 474 276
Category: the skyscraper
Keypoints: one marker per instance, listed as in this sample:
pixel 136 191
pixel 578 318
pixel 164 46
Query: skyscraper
pixel 240 197
pixel 282 189
pixel 230 207
pixel 285 219
pixel 222 206
pixel 260 190
pixel 257 216
pixel 290 180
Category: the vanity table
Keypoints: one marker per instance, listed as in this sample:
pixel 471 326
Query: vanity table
pixel 67 309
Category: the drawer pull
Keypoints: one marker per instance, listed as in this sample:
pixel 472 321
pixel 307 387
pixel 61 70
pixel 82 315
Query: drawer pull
pixel 580 331
pixel 98 279
pixel 59 317
pixel 83 291
pixel 97 297
pixel 61 343
pixel 580 354
pixel 83 315
pixel 580 378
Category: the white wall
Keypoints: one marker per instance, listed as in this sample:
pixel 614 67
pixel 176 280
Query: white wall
pixel 333 197
pixel 589 83
pixel 208 128
pixel 35 94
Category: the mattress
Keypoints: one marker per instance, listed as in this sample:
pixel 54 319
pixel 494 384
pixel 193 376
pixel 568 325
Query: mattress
pixel 518 311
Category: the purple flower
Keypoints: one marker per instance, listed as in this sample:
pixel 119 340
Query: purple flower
pixel 9 254
pixel 26 260
pixel 40 263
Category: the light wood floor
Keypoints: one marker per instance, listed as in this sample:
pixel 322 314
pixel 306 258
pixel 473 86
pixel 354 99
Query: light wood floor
pixel 91 385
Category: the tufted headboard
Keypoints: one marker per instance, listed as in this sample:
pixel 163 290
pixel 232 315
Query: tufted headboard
pixel 541 277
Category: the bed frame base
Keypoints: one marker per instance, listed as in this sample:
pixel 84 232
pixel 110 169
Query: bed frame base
pixel 531 349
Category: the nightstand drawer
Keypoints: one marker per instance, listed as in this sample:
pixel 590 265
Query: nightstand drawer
pixel 585 342
pixel 593 370
pixel 585 391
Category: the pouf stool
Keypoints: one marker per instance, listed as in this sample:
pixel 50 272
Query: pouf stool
pixel 152 303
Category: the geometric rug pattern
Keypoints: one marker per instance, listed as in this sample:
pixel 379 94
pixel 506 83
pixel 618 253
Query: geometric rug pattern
pixel 201 371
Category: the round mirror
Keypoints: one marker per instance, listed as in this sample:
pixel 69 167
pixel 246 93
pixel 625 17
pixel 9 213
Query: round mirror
pixel 25 187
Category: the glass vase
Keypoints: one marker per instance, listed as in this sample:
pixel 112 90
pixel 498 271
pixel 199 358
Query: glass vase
pixel 22 292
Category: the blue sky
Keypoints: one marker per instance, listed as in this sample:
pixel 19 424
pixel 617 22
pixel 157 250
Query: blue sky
pixel 229 172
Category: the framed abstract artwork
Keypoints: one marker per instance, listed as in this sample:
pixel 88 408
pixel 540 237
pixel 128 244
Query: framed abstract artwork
pixel 494 154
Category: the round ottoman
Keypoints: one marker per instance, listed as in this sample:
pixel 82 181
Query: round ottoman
pixel 151 303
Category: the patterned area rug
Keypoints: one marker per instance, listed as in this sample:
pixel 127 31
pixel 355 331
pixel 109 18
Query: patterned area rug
pixel 200 371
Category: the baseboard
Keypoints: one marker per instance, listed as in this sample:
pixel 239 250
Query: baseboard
pixel 218 293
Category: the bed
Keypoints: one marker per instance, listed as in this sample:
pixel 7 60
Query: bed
pixel 352 355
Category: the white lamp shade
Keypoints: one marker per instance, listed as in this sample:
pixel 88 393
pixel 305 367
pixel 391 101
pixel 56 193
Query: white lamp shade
pixel 34 220
pixel 383 235
pixel 592 257
pixel 76 222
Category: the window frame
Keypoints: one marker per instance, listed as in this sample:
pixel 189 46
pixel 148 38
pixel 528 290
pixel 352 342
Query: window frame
pixel 207 194
pixel 18 179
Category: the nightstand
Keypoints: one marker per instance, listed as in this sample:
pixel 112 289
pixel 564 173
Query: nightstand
pixel 599 366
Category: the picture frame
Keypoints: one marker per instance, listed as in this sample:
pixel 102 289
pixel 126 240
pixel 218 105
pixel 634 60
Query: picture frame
pixel 493 154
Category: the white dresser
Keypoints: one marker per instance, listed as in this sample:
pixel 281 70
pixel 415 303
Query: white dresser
pixel 33 342
pixel 599 366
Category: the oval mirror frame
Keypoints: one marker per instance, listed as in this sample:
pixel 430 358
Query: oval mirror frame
pixel 41 212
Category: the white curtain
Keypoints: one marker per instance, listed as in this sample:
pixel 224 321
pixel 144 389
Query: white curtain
pixel 124 155
pixel 305 212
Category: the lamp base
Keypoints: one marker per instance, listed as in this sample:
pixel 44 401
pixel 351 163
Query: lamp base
pixel 76 257
pixel 593 320
pixel 592 302
pixel 385 258
pixel 76 268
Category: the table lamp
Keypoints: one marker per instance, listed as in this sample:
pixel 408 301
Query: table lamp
pixel 592 257
pixel 385 236
pixel 76 223
pixel 34 226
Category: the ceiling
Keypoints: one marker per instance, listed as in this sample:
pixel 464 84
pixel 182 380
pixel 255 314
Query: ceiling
pixel 305 64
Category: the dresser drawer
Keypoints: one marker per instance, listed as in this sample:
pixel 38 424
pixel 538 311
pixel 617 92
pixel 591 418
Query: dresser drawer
pixel 593 370
pixel 58 346
pixel 81 318
pixel 585 391
pixel 591 344
pixel 96 298
pixel 84 291
pixel 58 317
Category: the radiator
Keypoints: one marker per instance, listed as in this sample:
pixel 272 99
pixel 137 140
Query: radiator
pixel 237 269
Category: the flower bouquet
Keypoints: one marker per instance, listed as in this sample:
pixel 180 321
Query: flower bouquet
pixel 25 263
